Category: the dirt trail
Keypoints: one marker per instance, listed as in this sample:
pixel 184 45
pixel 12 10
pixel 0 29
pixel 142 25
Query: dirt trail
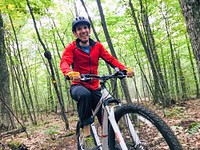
pixel 51 134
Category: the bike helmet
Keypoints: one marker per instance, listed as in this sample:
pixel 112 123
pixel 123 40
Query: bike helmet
pixel 80 20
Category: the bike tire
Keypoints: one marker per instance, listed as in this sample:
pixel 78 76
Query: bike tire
pixel 146 134
pixel 78 135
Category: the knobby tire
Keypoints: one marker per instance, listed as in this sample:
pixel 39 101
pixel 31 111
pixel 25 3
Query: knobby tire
pixel 159 125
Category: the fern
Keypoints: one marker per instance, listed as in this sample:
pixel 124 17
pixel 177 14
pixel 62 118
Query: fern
pixel 174 112
pixel 193 128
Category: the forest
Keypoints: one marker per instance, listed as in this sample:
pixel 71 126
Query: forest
pixel 159 39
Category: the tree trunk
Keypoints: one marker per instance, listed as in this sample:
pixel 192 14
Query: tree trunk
pixel 6 119
pixel 191 12
pixel 182 79
pixel 193 69
pixel 160 89
pixel 24 74
pixel 173 58
pixel 51 68
pixel 147 86
pixel 108 39
pixel 17 76
pixel 93 29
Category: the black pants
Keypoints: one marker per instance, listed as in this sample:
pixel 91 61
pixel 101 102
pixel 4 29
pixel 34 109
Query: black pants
pixel 86 102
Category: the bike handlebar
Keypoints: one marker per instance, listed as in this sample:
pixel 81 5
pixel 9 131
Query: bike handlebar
pixel 118 74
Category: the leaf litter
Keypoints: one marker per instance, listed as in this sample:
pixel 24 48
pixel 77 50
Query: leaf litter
pixel 50 134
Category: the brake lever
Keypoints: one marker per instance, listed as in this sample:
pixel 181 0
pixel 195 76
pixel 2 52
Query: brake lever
pixel 85 78
pixel 120 74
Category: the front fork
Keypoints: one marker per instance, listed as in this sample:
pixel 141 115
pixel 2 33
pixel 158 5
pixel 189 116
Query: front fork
pixel 96 136
pixel 115 127
pixel 117 132
pixel 110 115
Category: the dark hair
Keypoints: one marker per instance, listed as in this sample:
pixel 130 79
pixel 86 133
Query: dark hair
pixel 80 21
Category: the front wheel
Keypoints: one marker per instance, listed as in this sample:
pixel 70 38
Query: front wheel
pixel 153 132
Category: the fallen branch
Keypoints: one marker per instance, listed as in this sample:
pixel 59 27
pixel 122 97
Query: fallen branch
pixel 12 132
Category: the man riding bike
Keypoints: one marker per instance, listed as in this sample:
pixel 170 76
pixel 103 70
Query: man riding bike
pixel 83 56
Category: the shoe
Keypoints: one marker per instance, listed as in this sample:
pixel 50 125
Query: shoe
pixel 89 143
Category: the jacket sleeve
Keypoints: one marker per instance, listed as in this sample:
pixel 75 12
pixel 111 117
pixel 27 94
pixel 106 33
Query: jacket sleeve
pixel 111 60
pixel 66 60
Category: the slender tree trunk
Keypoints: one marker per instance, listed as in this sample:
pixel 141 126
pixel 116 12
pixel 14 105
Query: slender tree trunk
pixel 70 101
pixel 173 58
pixel 24 74
pixel 164 68
pixel 161 91
pixel 148 86
pixel 158 75
pixel 193 69
pixel 17 85
pixel 108 39
pixel 63 44
pixel 93 29
pixel 35 93
pixel 58 80
pixel 17 76
pixel 14 93
pixel 51 67
pixel 51 103
pixel 182 78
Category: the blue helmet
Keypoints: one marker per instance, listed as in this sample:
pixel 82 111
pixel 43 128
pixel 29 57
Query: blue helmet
pixel 80 21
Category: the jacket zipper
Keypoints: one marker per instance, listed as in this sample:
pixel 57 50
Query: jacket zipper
pixel 90 60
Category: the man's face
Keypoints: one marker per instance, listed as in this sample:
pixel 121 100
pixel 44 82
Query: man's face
pixel 82 32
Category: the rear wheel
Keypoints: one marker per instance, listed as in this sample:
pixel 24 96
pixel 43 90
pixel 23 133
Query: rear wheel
pixel 153 132
pixel 80 137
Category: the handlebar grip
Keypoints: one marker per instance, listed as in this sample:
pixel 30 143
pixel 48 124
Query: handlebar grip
pixel 129 69
pixel 72 74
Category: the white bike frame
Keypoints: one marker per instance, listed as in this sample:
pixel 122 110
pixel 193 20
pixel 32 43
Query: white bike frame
pixel 109 115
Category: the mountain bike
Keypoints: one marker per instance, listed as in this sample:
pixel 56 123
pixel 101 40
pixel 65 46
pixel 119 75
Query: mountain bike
pixel 126 126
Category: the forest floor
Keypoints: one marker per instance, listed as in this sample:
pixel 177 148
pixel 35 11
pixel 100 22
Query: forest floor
pixel 50 134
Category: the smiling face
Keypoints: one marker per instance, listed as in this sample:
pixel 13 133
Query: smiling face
pixel 82 32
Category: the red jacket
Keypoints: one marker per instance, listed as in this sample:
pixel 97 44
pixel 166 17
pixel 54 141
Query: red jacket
pixel 86 63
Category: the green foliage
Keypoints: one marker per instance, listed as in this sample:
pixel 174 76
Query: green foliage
pixel 51 131
pixel 173 112
pixel 14 144
pixel 122 31
pixel 193 128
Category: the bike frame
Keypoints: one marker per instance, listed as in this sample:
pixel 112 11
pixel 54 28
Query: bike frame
pixel 108 105
pixel 109 116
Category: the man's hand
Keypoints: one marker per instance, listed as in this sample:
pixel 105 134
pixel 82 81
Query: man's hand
pixel 129 72
pixel 73 75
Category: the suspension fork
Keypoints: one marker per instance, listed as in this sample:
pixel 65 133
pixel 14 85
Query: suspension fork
pixel 96 137
pixel 111 117
pixel 105 129
pixel 133 132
